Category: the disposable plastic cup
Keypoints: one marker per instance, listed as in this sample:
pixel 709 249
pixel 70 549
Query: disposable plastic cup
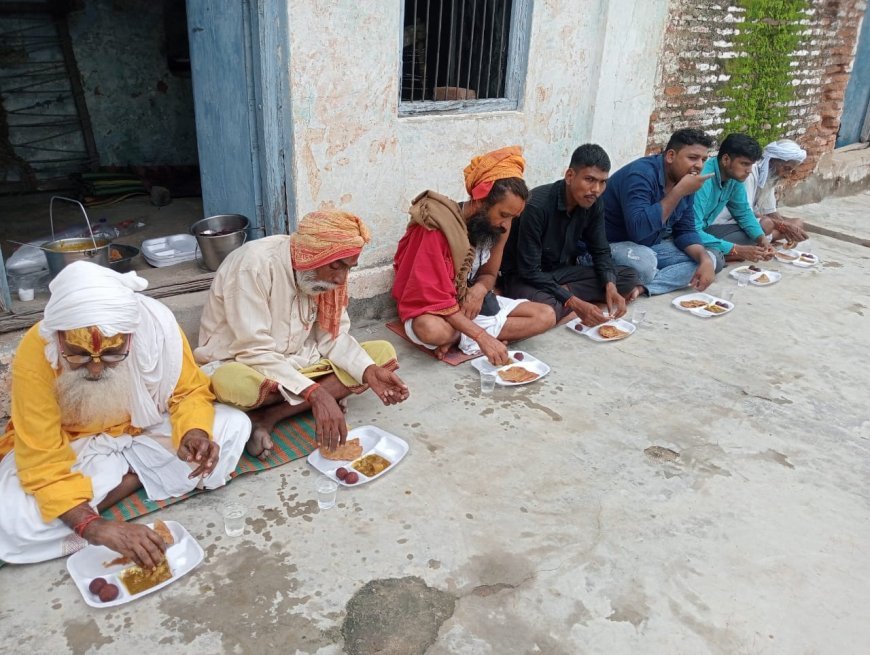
pixel 326 490
pixel 742 279
pixel 25 294
pixel 487 382
pixel 638 316
pixel 234 518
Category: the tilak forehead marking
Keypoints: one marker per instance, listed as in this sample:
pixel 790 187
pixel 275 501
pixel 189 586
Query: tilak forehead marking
pixel 92 340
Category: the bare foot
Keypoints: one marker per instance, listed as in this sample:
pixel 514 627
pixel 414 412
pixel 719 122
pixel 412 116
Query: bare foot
pixel 635 294
pixel 441 351
pixel 260 444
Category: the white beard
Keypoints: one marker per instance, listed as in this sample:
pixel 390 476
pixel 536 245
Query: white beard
pixel 310 285
pixel 772 180
pixel 105 402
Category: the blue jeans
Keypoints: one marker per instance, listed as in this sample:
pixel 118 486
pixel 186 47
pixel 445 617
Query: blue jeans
pixel 661 268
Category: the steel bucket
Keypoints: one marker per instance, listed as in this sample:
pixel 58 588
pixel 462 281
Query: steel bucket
pixel 217 236
pixel 60 252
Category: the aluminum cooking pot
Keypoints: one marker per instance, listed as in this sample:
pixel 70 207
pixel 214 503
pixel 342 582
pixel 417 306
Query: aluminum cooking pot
pixel 66 251
pixel 60 252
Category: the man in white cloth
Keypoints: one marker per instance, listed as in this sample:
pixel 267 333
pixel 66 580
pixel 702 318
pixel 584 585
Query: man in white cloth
pixel 106 398
pixel 275 333
pixel 777 161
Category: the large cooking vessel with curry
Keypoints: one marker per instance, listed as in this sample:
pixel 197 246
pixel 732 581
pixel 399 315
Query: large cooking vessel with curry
pixel 60 252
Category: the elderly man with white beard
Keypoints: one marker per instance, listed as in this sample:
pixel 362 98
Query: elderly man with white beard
pixel 106 398
pixel 275 333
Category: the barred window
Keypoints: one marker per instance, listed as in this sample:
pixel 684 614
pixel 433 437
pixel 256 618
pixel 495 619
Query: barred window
pixel 463 55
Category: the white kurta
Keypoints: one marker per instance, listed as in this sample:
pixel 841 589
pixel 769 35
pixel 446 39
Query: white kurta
pixel 255 315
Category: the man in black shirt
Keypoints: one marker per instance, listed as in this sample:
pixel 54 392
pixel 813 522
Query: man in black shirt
pixel 558 253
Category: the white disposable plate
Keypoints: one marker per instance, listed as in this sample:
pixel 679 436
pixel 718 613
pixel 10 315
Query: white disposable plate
pixel 772 278
pixel 89 563
pixel 801 259
pixel 373 440
pixel 592 332
pixel 700 311
pixel 169 250
pixel 787 256
pixel 174 246
pixel 527 362
pixel 706 297
pixel 805 259
pixel 745 269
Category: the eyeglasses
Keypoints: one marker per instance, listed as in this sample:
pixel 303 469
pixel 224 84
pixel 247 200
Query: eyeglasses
pixel 106 358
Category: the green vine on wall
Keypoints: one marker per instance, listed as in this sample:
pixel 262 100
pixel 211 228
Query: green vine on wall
pixel 757 94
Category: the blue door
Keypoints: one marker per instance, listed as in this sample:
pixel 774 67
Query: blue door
pixel 239 63
pixel 855 124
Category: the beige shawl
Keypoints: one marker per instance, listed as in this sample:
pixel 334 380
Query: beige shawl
pixel 436 212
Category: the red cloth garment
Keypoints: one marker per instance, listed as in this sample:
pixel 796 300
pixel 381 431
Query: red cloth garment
pixel 424 274
pixel 482 190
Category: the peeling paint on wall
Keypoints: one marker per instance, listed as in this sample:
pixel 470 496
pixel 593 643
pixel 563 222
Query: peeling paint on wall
pixel 351 143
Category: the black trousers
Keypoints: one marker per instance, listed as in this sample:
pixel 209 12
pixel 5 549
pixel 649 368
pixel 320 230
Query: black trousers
pixel 581 281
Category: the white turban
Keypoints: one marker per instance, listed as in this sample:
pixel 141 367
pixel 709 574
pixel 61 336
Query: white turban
pixel 784 149
pixel 85 295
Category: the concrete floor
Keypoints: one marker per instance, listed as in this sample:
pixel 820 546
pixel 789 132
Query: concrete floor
pixel 701 487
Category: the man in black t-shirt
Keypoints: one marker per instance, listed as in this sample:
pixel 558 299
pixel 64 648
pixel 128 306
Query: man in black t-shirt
pixel 558 253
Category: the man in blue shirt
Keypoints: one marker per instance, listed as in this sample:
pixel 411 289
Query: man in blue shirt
pixel 744 238
pixel 650 221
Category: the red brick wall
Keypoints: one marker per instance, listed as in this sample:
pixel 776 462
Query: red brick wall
pixel 699 40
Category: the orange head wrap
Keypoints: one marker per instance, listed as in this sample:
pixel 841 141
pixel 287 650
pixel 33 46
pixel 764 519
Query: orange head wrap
pixel 485 170
pixel 321 238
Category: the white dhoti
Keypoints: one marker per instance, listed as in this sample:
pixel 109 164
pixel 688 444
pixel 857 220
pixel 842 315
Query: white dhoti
pixel 26 538
pixel 492 324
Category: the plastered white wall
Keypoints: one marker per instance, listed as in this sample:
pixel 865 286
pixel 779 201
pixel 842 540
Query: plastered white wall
pixel 591 76
pixel 629 58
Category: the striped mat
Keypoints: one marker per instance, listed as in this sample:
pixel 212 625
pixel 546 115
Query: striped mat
pixel 293 438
